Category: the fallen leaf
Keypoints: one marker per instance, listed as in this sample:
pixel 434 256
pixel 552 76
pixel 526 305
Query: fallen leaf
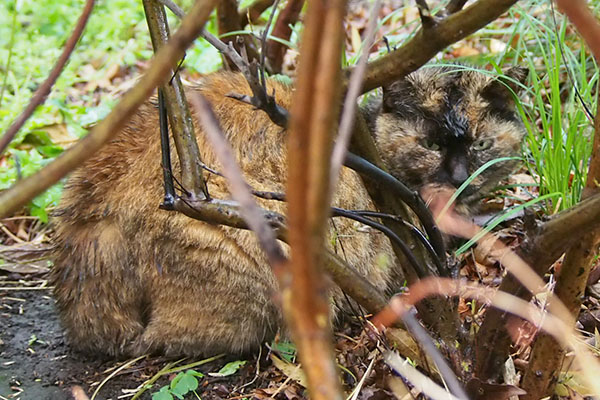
pixel 292 371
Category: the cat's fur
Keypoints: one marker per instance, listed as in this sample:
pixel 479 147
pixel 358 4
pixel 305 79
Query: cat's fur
pixel 131 278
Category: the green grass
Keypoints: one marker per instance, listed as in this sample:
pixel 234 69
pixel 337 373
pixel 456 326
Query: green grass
pixel 558 144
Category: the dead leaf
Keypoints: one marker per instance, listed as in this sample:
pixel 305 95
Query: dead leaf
pixel 404 343
pixel 59 134
pixel 292 371
pixel 25 252
pixel 465 51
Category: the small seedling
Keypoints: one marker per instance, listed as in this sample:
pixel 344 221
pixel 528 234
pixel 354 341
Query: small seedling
pixel 183 383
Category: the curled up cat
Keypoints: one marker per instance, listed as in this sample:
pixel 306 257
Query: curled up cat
pixel 131 278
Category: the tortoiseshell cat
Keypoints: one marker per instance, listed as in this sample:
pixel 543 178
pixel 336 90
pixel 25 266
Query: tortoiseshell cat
pixel 440 125
pixel 131 278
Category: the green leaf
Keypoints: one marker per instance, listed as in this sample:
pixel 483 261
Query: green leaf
pixel 162 394
pixel 189 381
pixel 184 383
pixel 285 349
pixel 39 212
pixel 229 368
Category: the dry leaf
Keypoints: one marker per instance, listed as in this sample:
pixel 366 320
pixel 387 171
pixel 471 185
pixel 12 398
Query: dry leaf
pixel 292 371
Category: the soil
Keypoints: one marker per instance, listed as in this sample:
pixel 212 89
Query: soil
pixel 37 364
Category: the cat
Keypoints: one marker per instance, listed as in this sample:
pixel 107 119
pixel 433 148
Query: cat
pixel 131 278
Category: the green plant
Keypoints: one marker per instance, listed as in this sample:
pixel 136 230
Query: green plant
pixel 560 133
pixel 185 382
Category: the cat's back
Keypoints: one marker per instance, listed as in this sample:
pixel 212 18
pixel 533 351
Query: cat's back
pixel 131 278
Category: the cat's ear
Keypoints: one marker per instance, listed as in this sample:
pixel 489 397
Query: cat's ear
pixel 395 95
pixel 499 91
pixel 515 77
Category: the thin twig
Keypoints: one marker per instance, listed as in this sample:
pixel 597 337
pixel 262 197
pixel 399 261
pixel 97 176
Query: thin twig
pixel 427 20
pixel 374 214
pixel 421 336
pixel 173 7
pixel 586 109
pixel 263 41
pixel 410 198
pixel 454 6
pixel 42 92
pixel 178 110
pixel 349 110
pixel 260 98
pixel 423 383
pixel 420 269
pixel 549 322
pixel 240 190
pixel 252 13
pixel 426 43
pixel 282 30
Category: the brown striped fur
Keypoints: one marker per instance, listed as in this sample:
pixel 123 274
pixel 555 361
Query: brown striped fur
pixel 131 278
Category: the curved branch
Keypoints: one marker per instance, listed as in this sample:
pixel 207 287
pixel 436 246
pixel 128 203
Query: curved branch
pixel 421 270
pixel 428 42
pixel 562 231
pixel 412 199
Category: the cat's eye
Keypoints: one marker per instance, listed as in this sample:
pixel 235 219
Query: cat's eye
pixel 483 144
pixel 430 145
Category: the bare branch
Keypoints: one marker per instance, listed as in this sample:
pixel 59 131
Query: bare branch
pixel 252 13
pixel 260 99
pixel 282 30
pixel 226 213
pixel 563 230
pixel 264 45
pixel 421 381
pixel 178 110
pixel 438 313
pixel 314 117
pixel 395 239
pixel 159 72
pixel 409 197
pixel 455 6
pixel 349 108
pixel 426 43
pixel 427 20
pixel 508 303
pixel 228 21
pixel 421 335
pixel 547 354
pixel 585 22
pixel 240 190
pixel 175 9
pixel 44 90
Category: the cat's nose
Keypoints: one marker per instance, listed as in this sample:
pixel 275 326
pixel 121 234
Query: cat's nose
pixel 459 175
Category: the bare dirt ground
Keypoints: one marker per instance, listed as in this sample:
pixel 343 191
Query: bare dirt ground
pixel 37 364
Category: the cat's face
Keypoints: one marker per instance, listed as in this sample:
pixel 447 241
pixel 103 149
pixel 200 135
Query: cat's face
pixel 439 125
